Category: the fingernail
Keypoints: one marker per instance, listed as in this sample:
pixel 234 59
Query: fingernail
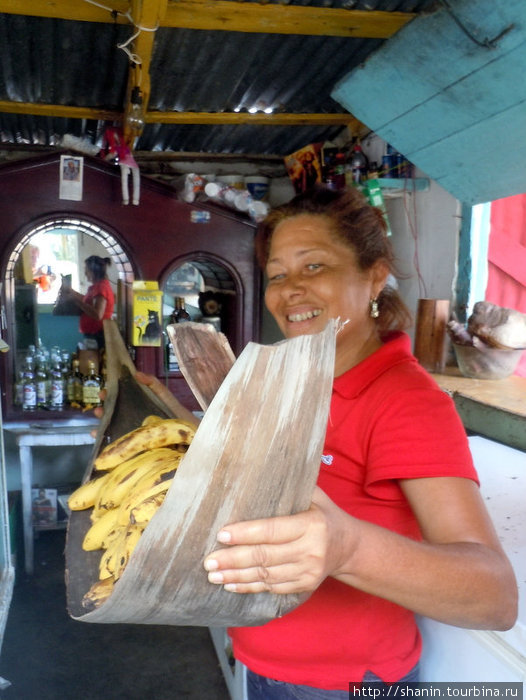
pixel 231 587
pixel 215 577
pixel 224 536
pixel 210 564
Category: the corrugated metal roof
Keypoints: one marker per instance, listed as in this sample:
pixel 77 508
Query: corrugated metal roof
pixel 77 63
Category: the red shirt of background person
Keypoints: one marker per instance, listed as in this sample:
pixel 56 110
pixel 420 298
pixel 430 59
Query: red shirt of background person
pixel 98 302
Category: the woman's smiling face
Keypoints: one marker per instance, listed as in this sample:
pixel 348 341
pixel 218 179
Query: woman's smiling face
pixel 313 277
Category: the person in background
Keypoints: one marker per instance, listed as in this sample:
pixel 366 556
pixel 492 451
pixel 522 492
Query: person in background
pixel 98 302
pixel 397 525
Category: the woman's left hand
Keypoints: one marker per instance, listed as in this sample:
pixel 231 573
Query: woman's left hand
pixel 284 554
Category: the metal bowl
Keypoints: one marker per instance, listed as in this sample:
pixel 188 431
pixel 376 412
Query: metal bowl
pixel 486 362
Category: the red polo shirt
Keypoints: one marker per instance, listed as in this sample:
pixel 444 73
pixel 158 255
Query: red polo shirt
pixel 389 420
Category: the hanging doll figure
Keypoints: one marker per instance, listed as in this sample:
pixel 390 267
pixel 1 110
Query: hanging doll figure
pixel 117 151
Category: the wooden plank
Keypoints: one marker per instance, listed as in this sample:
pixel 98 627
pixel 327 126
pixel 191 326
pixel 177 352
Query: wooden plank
pixel 280 119
pixel 446 121
pixel 495 408
pixel 283 19
pixel 464 165
pixel 205 358
pixel 287 119
pixel 65 9
pixel 67 111
pixel 256 453
pixel 223 15
pixel 496 424
pixel 402 74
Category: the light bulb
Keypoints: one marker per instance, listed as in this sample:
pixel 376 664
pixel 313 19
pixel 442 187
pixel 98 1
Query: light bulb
pixel 135 116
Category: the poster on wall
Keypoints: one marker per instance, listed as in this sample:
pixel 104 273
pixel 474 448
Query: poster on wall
pixel 71 175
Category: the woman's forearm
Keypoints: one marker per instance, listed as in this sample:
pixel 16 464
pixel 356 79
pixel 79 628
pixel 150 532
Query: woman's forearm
pixel 467 584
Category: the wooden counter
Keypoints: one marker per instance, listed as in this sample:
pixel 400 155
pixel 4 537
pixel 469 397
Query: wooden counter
pixel 495 408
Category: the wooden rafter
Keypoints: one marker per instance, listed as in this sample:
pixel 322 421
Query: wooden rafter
pixel 226 15
pixel 215 15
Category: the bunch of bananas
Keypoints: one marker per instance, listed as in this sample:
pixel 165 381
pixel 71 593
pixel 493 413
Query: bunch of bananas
pixel 130 480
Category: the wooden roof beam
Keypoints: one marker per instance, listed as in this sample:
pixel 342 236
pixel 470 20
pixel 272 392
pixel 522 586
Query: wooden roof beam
pixel 217 118
pixel 228 15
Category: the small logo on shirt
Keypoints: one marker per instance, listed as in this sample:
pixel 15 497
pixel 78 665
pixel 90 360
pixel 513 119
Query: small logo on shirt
pixel 327 459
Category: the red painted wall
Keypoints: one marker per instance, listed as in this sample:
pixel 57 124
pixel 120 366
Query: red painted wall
pixel 507 258
pixel 156 236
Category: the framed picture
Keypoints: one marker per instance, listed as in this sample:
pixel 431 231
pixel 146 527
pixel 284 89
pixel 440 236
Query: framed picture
pixel 71 176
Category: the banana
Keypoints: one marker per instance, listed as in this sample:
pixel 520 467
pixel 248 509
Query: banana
pixel 109 559
pixel 150 420
pixel 171 431
pixel 112 536
pixel 100 529
pixel 98 593
pixel 142 513
pixel 137 496
pixel 85 495
pixel 128 542
pixel 124 477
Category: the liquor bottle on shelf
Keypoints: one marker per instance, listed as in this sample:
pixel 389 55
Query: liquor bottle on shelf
pixel 91 386
pixel 42 380
pixel 29 400
pixel 74 384
pixel 180 314
pixel 58 388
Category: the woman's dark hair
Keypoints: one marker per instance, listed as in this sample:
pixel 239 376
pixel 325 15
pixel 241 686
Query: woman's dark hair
pixel 97 266
pixel 357 224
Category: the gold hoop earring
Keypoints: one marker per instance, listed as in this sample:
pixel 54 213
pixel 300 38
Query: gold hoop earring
pixel 373 308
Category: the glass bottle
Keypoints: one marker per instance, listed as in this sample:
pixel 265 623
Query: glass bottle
pixel 29 400
pixel 91 386
pixel 74 385
pixel 58 389
pixel 18 389
pixel 180 314
pixel 42 381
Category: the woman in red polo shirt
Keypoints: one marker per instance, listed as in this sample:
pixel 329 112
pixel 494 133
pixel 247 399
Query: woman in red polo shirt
pixel 397 525
pixel 98 302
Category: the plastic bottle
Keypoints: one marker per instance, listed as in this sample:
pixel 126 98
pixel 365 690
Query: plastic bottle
pixel 359 164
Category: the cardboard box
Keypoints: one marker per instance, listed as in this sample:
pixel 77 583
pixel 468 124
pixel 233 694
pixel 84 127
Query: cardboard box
pixel 146 321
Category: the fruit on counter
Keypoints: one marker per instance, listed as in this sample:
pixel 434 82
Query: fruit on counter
pixel 126 496
pixel 170 431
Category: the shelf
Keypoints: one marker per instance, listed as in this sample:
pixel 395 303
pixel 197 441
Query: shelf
pixel 491 407
pixel 396 187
